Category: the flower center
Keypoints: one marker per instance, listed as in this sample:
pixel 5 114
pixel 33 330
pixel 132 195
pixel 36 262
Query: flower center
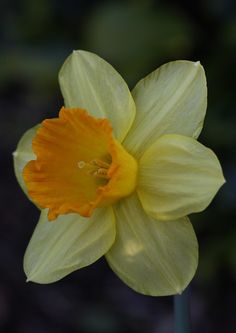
pixel 96 168
pixel 79 165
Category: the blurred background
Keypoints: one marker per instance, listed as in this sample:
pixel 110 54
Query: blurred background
pixel 135 37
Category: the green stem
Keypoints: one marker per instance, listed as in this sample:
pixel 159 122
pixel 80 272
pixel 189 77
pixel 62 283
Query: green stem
pixel 182 312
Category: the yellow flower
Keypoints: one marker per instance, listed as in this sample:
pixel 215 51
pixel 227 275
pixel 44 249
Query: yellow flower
pixel 119 172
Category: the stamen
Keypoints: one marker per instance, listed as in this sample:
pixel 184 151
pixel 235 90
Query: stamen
pixel 101 173
pixel 100 163
pixel 96 168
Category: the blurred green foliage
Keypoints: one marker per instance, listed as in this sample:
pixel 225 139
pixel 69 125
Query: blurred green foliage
pixel 132 35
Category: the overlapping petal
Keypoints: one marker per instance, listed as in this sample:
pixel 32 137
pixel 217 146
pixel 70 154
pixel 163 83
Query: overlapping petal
pixel 153 257
pixel 67 244
pixel 90 83
pixel 23 154
pixel 178 176
pixel 172 99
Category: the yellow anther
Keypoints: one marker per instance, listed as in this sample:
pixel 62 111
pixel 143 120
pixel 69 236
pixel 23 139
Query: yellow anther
pixel 96 167
pixel 101 163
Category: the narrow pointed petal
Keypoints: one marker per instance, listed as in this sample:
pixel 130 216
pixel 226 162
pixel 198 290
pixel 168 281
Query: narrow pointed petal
pixel 89 82
pixel 178 176
pixel 23 154
pixel 67 244
pixel 152 257
pixel 172 99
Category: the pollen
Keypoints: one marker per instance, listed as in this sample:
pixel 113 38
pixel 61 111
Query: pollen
pixel 79 165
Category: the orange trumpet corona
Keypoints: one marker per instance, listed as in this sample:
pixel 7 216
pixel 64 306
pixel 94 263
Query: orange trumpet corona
pixel 79 165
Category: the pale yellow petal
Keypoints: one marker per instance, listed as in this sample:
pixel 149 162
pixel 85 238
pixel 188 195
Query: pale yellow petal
pixel 172 99
pixel 23 154
pixel 178 176
pixel 152 257
pixel 67 244
pixel 89 82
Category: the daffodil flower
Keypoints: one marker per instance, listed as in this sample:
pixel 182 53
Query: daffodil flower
pixel 117 173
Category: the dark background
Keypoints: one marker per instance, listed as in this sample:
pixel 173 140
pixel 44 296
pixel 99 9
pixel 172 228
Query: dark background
pixel 135 37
